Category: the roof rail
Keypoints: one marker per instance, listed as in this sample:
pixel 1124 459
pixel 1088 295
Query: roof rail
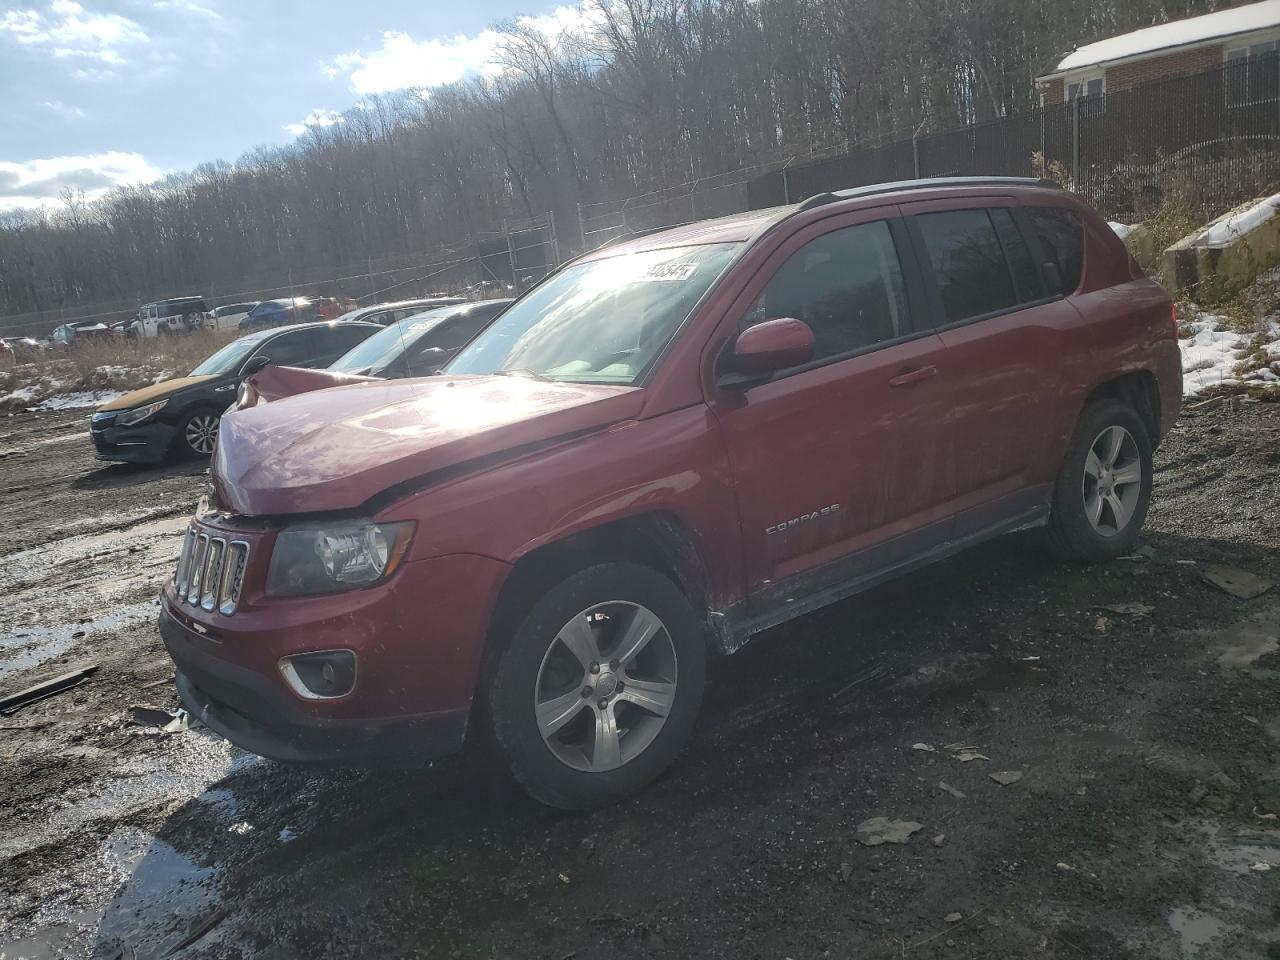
pixel 932 183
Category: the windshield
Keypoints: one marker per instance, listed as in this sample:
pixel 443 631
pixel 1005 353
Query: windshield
pixel 385 346
pixel 228 358
pixel 602 321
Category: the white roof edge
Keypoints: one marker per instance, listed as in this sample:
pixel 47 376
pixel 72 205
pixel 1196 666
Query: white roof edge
pixel 1176 33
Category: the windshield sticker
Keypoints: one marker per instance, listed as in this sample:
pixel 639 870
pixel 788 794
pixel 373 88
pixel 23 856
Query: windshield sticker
pixel 668 271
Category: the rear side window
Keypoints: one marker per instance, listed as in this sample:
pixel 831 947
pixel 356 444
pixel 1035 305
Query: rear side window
pixel 1026 278
pixel 291 349
pixel 968 262
pixel 846 285
pixel 1062 242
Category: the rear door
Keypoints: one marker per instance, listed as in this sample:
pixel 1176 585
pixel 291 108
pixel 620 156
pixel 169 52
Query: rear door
pixel 836 463
pixel 1008 339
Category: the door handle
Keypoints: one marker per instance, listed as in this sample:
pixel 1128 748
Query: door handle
pixel 914 376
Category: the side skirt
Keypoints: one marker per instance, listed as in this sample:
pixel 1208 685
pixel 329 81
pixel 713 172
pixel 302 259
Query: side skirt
pixel 734 627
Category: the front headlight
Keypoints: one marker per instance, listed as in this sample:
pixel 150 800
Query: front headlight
pixel 339 555
pixel 137 415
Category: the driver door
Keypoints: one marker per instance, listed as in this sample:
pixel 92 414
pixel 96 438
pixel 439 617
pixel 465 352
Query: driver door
pixel 839 464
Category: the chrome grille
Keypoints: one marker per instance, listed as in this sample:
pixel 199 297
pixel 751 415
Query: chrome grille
pixel 210 571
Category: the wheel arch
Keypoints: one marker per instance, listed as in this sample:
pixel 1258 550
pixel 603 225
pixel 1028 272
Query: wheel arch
pixel 657 539
pixel 1140 390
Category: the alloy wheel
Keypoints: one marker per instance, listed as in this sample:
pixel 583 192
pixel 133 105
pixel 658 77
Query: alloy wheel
pixel 1112 485
pixel 605 686
pixel 202 432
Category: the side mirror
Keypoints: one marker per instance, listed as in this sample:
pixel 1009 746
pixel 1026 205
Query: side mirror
pixel 254 364
pixel 763 350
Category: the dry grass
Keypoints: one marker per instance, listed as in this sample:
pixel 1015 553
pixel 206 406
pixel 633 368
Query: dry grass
pixel 114 364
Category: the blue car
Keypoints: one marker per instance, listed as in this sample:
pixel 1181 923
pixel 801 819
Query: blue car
pixel 278 313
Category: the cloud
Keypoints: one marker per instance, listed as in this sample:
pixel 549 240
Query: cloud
pixel 65 109
pixel 34 183
pixel 402 62
pixel 187 6
pixel 316 118
pixel 66 29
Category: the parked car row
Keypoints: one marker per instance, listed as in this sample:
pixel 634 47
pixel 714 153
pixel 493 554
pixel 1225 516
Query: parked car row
pixel 668 446
pixel 180 417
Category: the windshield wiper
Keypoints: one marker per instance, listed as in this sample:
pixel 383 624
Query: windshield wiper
pixel 523 372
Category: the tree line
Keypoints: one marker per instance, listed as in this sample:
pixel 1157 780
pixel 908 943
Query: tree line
pixel 654 93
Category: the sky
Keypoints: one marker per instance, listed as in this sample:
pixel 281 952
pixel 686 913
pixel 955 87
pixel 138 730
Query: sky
pixel 98 93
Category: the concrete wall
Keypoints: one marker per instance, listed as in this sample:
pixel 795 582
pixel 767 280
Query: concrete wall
pixel 1210 273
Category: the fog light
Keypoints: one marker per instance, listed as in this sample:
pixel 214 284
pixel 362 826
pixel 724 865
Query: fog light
pixel 323 675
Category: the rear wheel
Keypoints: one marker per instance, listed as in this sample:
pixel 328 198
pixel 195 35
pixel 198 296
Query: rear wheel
pixel 598 691
pixel 198 433
pixel 1103 490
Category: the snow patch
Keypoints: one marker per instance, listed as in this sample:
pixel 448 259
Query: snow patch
pixel 1235 225
pixel 20 397
pixel 1210 355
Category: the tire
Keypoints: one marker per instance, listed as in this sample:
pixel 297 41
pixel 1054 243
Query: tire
pixel 1084 522
pixel 544 680
pixel 197 433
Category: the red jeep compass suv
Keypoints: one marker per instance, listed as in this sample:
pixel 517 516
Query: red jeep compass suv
pixel 667 446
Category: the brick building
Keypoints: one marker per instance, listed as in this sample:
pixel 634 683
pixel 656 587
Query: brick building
pixel 1242 40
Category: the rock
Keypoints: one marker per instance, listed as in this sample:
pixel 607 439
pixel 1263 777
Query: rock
pixel 953 917
pixel 1006 777
pixel 1260 867
pixel 940 839
pixel 1238 583
pixel 1129 609
pixel 943 785
pixel 1197 793
pixel 1222 780
pixel 846 871
pixel 587 846
pixel 1217 804
pixel 880 830
pixel 1101 624
pixel 924 747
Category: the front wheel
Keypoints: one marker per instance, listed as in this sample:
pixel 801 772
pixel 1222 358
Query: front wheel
pixel 598 691
pixel 198 433
pixel 1103 490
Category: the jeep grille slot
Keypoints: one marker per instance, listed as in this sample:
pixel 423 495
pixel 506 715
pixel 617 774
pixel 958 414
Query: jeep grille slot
pixel 210 572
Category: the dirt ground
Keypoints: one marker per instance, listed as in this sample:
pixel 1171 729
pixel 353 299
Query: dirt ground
pixel 1144 824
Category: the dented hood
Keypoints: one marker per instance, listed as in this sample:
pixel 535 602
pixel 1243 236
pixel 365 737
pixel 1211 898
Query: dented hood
pixel 334 449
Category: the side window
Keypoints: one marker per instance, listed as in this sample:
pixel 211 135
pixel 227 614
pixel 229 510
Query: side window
pixel 382 318
pixel 968 263
pixel 1026 277
pixel 846 285
pixel 291 349
pixel 340 339
pixel 1061 241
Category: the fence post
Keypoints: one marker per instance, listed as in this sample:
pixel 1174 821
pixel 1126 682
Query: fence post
pixel 786 183
pixel 915 155
pixel 511 256
pixel 582 230
pixel 555 241
pixel 1075 145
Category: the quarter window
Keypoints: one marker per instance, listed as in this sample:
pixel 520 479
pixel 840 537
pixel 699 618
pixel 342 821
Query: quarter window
pixel 846 285
pixel 968 263
pixel 1061 242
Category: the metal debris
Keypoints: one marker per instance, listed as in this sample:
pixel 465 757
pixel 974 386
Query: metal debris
pixel 14 702
pixel 1006 777
pixel 879 830
pixel 953 917
pixel 924 747
pixel 943 785
pixel 1238 583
